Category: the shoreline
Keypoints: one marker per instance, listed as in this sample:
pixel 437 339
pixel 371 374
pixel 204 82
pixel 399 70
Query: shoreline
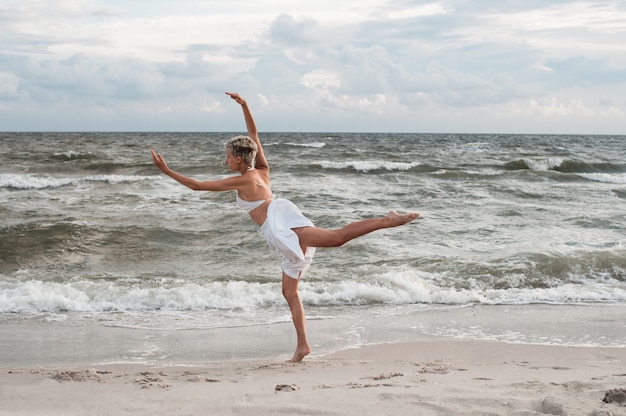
pixel 449 377
pixel 31 341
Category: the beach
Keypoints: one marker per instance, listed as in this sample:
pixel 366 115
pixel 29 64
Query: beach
pixel 450 377
pixel 480 360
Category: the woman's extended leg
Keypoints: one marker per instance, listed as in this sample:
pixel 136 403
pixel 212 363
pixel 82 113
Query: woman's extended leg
pixel 320 237
pixel 290 292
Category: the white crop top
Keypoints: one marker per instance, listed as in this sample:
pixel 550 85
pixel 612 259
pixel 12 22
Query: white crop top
pixel 249 205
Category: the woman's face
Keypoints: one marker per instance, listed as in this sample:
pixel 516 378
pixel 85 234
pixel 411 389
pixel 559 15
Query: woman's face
pixel 231 161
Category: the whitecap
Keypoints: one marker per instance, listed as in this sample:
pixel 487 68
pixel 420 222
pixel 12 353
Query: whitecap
pixel 368 165
pixel 617 178
pixel 316 145
pixel 543 164
pixel 32 181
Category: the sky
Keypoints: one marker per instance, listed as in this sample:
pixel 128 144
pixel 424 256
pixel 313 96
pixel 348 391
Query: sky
pixel 489 66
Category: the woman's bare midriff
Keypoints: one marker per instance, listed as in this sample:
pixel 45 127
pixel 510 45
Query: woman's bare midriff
pixel 259 214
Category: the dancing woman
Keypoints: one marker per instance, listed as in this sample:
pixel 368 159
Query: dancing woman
pixel 284 227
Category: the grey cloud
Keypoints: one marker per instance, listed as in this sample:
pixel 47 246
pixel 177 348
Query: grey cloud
pixel 83 78
pixel 285 30
pixel 86 79
pixel 277 74
pixel 455 61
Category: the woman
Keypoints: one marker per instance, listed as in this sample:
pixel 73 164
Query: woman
pixel 282 224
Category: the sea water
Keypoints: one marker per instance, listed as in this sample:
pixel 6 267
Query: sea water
pixel 521 239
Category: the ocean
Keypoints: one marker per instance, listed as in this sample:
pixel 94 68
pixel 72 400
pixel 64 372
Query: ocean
pixel 105 259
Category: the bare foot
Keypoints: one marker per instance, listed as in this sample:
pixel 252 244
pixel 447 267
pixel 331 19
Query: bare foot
pixel 396 219
pixel 300 354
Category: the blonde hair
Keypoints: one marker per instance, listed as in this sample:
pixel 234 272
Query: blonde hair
pixel 243 147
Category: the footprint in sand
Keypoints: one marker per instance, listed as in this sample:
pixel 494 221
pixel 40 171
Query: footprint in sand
pixel 615 396
pixel 147 379
pixel 79 375
pixel 286 387
pixel 201 379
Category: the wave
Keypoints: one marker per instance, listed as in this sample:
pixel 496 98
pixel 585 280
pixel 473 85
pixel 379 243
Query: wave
pixel 605 177
pixel 29 181
pixel 374 165
pixel 36 296
pixel 564 166
pixel 409 288
pixel 528 164
pixel 51 246
pixel 312 145
pixel 315 145
pixel 175 294
pixel 72 155
pixel 573 166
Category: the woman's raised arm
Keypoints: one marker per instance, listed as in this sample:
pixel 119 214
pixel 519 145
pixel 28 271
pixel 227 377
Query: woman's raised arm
pixel 260 162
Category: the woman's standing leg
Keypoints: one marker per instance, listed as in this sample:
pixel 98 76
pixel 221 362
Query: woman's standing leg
pixel 290 292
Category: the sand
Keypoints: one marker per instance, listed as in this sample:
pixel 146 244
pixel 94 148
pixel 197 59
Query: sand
pixel 418 378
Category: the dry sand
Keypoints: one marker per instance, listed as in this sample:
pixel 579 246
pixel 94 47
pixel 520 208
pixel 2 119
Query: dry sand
pixel 418 378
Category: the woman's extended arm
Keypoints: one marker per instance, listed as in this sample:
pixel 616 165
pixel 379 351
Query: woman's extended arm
pixel 260 162
pixel 228 184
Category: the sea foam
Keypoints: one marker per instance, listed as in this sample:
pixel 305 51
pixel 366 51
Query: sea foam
pixel 617 178
pixel 368 165
pixel 28 181
pixel 393 288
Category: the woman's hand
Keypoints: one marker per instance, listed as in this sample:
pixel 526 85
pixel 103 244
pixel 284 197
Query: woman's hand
pixel 236 97
pixel 159 161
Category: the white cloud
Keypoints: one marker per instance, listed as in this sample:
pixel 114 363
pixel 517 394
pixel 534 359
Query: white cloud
pixel 560 30
pixel 438 66
pixel 321 78
pixel 425 10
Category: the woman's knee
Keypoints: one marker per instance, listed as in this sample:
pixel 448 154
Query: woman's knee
pixel 287 292
pixel 290 287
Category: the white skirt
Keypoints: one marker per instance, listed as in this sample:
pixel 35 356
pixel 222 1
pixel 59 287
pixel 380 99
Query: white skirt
pixel 282 216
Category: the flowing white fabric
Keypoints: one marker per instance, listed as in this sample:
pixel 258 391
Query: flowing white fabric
pixel 282 216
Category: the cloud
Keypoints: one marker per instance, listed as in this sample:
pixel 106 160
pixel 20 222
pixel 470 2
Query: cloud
pixel 287 31
pixel 438 66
